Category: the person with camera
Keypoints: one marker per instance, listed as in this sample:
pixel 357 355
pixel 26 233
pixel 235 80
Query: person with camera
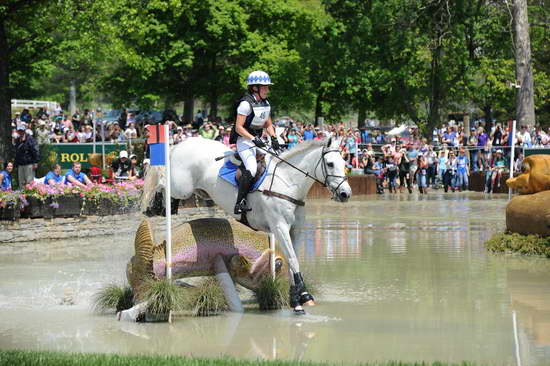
pixel 253 118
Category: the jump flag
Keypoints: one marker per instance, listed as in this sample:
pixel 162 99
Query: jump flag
pixel 156 141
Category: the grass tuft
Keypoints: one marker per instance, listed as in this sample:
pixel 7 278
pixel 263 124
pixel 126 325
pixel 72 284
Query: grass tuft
pixel 113 297
pixel 520 244
pixel 206 299
pixel 163 296
pixel 272 293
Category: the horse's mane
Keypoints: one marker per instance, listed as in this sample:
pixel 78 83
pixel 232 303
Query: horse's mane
pixel 301 147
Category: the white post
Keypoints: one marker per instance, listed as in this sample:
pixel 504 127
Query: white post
pixel 272 256
pixel 356 153
pixel 516 339
pixel 93 131
pixel 103 143
pixel 167 196
pixel 512 153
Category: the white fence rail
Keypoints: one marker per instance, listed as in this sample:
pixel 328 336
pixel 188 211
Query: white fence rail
pixel 34 104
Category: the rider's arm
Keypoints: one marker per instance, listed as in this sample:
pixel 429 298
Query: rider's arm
pixel 239 127
pixel 269 128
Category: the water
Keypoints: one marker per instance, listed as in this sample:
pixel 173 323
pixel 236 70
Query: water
pixel 398 278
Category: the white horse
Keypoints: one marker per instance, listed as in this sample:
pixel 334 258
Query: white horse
pixel 277 206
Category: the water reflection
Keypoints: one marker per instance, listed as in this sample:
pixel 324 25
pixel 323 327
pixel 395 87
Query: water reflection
pixel 404 277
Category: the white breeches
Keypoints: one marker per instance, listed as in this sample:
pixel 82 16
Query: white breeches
pixel 247 152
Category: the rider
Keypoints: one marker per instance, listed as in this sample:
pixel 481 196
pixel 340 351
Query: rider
pixel 253 116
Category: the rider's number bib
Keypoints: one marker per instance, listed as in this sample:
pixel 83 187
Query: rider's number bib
pixel 261 114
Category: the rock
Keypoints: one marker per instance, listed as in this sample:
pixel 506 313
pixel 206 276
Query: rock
pixel 529 214
pixel 68 297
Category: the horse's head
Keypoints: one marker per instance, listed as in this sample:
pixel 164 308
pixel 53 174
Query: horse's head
pixel 334 171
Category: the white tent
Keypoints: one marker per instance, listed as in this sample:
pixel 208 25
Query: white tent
pixel 397 130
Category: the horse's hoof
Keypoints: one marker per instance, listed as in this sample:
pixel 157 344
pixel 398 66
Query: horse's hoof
pixel 299 311
pixel 306 298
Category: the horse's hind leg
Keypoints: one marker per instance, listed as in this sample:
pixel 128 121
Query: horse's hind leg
pixel 298 292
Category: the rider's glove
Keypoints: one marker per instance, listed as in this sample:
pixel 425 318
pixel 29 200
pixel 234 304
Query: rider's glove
pixel 258 142
pixel 275 144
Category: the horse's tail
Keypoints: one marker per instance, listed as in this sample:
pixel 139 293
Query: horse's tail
pixel 154 181
pixel 140 268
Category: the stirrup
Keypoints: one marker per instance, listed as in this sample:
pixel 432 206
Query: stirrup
pixel 240 207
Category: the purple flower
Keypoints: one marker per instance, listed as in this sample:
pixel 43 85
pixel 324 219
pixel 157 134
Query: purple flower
pixel 54 205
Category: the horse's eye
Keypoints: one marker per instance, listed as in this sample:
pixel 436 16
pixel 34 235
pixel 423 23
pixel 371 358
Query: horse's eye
pixel 330 165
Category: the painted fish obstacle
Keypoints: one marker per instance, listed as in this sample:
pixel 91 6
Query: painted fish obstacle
pixel 225 249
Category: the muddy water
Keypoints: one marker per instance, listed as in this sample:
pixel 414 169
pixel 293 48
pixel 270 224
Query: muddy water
pixel 398 278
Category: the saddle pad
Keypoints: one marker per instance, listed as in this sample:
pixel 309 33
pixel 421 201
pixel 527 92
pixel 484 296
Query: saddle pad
pixel 228 172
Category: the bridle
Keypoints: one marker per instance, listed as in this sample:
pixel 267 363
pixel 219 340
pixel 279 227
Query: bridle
pixel 324 171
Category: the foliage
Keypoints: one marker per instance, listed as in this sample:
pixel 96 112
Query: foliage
pixel 520 244
pixel 272 292
pixel 11 198
pixel 336 57
pixel 113 296
pixel 206 299
pixel 163 296
pixel 48 157
pixel 46 358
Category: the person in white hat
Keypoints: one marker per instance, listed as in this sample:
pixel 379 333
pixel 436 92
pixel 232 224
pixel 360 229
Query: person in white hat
pixel 121 166
pixel 253 117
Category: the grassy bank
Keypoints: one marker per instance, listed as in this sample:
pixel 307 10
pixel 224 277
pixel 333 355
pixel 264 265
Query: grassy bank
pixel 66 359
pixel 520 244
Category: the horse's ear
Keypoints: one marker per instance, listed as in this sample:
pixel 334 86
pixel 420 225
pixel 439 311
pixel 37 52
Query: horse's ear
pixel 329 143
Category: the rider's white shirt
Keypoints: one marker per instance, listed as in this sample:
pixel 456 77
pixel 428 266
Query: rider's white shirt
pixel 261 113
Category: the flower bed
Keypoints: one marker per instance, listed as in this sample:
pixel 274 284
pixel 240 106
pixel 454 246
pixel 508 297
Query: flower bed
pixel 41 200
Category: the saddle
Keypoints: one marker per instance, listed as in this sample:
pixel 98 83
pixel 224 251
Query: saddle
pixel 231 170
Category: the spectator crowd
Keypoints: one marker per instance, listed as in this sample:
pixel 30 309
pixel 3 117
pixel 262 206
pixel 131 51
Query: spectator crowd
pixel 401 161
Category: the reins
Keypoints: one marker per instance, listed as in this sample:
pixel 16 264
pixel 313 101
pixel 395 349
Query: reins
pixel 323 169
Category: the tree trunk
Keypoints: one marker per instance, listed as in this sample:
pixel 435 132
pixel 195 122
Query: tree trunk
pixel 318 109
pixel 5 98
pixel 435 95
pixel 214 103
pixel 361 117
pixel 488 114
pixel 72 98
pixel 525 101
pixel 188 105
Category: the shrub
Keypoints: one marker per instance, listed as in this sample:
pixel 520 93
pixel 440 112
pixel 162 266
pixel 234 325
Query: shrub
pixel 206 299
pixel 113 296
pixel 518 243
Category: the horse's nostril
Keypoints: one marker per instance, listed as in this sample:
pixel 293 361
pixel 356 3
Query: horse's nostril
pixel 343 195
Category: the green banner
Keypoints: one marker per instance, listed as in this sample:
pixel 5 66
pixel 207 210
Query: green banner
pixel 535 151
pixel 67 154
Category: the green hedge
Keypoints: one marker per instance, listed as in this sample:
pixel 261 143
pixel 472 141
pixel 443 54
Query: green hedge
pixel 31 358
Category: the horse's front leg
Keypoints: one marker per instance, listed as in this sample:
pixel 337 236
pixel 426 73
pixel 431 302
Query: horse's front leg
pixel 298 292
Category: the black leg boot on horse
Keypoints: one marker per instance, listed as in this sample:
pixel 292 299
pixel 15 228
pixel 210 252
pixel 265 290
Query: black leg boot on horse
pixel 299 295
pixel 244 186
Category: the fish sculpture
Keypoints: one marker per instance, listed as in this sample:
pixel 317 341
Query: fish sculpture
pixel 534 177
pixel 196 245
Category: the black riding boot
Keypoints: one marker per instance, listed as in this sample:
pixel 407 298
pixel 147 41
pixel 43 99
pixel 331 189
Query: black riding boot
pixel 244 186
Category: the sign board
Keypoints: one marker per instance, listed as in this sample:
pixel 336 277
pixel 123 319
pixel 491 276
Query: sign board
pixel 71 152
pixel 535 151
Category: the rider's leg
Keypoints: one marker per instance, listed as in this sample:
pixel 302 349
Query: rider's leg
pixel 247 152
